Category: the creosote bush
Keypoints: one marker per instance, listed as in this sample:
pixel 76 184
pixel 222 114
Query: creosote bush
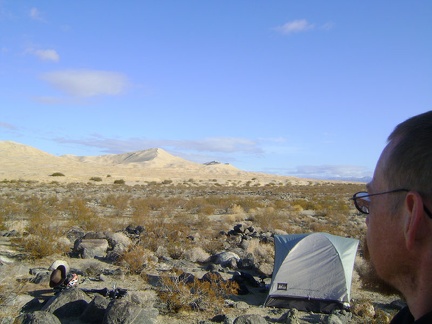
pixel 182 292
pixel 119 182
pixel 137 258
pixel 42 235
pixel 57 174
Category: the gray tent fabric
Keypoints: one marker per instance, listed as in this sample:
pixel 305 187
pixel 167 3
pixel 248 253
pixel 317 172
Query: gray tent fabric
pixel 312 272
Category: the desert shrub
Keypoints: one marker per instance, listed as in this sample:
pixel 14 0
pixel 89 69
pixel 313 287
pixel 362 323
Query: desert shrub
pixel 217 201
pixel 119 182
pixel 119 202
pixel 57 174
pixel 304 204
pixel 321 227
pixel 166 182
pixel 249 203
pixel 10 288
pixel 140 210
pixel 281 204
pixel 167 235
pixel 2 222
pixel 269 219
pixel 213 245
pixel 42 231
pixel 236 209
pixel 176 249
pixel 381 317
pixel 196 205
pixel 148 203
pixel 365 309
pixel 9 209
pixel 179 293
pixel 263 253
pixel 137 258
pixel 83 216
pixel 234 218
pixel 40 246
pixel 337 217
pixel 206 210
pixel 96 179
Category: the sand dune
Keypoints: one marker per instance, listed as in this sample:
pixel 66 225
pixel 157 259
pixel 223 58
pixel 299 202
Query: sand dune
pixel 19 161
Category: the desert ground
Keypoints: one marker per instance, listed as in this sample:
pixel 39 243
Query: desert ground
pixel 161 216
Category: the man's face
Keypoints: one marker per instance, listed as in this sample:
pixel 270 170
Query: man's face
pixel 384 227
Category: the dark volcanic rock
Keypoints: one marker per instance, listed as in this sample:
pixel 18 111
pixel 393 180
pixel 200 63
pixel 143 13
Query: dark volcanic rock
pixel 68 303
pixel 38 317
pixel 91 248
pixel 225 259
pixel 122 311
pixel 250 319
pixel 95 311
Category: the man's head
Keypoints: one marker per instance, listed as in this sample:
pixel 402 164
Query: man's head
pixel 409 164
pixel 397 220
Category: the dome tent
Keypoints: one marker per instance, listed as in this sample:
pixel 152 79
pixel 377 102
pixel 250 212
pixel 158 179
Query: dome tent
pixel 312 272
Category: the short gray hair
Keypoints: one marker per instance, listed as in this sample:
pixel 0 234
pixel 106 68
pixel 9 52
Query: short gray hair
pixel 410 162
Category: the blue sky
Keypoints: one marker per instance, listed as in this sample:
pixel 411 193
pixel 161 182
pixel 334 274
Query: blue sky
pixel 306 88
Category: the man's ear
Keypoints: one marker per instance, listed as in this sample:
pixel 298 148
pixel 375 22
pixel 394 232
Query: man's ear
pixel 415 227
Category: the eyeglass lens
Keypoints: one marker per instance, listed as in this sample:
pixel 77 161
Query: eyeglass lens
pixel 362 203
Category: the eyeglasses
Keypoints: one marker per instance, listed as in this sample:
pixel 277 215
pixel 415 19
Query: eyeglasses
pixel 362 200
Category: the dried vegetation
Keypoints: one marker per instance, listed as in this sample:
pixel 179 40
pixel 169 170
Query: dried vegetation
pixel 174 216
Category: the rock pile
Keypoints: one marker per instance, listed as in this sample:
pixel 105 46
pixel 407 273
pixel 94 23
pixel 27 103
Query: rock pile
pixel 238 263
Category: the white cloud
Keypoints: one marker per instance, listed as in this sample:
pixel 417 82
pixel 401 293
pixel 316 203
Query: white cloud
pixel 332 171
pixel 35 14
pixel 52 100
pixel 295 26
pixel 45 54
pixel 7 126
pixel 212 145
pixel 87 83
pixel 327 26
pixel 225 144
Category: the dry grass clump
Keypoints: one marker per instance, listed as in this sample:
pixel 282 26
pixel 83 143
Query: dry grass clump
pixel 213 245
pixel 270 219
pixel 262 252
pixel 79 214
pixel 163 235
pixel 117 201
pixel 9 211
pixel 57 174
pixel 9 290
pixel 137 258
pixel 38 246
pixel 119 182
pixel 42 230
pixel 184 292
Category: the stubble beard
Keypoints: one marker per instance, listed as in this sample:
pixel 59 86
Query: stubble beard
pixel 370 278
